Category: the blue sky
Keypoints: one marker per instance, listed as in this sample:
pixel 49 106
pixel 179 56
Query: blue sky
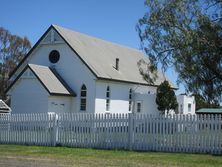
pixel 109 20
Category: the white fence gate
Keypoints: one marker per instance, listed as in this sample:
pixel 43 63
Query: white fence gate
pixel 173 133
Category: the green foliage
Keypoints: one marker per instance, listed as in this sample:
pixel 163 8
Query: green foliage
pixel 166 98
pixel 12 50
pixel 186 34
pixel 201 103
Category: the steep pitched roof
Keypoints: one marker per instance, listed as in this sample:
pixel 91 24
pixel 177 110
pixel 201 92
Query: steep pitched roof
pixel 50 80
pixel 4 108
pixel 99 56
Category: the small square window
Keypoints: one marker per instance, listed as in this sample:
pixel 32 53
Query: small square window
pixel 107 94
pixel 83 93
pixel 83 101
pixel 83 107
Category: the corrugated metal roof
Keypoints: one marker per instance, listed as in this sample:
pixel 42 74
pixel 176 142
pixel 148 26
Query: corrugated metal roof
pixel 210 110
pixel 100 56
pixel 51 80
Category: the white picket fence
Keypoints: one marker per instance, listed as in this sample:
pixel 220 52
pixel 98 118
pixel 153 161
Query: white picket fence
pixel 172 133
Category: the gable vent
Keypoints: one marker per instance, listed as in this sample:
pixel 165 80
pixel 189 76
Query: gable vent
pixel 117 64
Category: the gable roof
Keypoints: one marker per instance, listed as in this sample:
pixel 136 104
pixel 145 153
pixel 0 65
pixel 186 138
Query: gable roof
pixel 50 80
pixel 4 108
pixel 99 56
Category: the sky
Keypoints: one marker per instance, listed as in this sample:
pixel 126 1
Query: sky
pixel 111 20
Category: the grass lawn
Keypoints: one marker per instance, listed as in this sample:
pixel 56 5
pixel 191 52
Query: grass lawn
pixel 15 156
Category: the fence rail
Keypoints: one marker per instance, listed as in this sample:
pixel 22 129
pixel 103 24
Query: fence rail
pixel 172 133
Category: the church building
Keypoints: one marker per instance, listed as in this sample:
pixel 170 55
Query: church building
pixel 67 71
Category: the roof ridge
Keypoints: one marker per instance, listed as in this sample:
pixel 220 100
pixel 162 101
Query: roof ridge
pixel 97 38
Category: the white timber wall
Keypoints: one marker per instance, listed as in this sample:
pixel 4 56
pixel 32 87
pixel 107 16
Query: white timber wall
pixel 59 104
pixel 28 95
pixel 70 68
pixel 148 103
pixel 119 97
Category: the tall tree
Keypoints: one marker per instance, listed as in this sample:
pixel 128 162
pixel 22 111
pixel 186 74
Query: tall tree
pixel 186 34
pixel 166 98
pixel 201 103
pixel 12 50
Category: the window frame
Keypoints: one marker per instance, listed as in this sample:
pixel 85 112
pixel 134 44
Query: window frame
pixel 140 109
pixel 108 98
pixel 83 98
pixel 130 99
pixel 54 56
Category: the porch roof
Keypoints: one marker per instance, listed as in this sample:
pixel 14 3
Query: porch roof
pixel 50 80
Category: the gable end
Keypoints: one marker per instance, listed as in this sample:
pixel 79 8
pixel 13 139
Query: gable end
pixel 29 53
pixel 38 42
pixel 75 52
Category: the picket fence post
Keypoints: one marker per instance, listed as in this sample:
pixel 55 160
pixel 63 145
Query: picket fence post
pixel 54 123
pixel 131 130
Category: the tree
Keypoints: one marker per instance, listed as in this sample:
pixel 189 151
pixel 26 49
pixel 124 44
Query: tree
pixel 186 35
pixel 12 50
pixel 166 98
pixel 201 103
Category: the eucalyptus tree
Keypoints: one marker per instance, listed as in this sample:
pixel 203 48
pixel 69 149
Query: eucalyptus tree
pixel 12 50
pixel 186 35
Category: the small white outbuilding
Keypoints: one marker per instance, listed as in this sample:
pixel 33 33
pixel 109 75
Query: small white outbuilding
pixel 186 104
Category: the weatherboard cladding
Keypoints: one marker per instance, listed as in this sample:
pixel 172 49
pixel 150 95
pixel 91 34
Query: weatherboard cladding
pixel 100 56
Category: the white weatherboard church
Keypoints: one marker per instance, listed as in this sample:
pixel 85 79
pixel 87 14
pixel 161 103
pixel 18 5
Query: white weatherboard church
pixel 67 71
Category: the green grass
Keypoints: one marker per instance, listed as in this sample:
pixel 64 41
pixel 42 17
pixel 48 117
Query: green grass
pixel 63 156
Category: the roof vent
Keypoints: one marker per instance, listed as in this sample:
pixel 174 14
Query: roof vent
pixel 117 64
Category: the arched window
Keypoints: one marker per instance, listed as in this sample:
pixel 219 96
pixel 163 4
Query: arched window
pixel 130 99
pixel 107 98
pixel 83 95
